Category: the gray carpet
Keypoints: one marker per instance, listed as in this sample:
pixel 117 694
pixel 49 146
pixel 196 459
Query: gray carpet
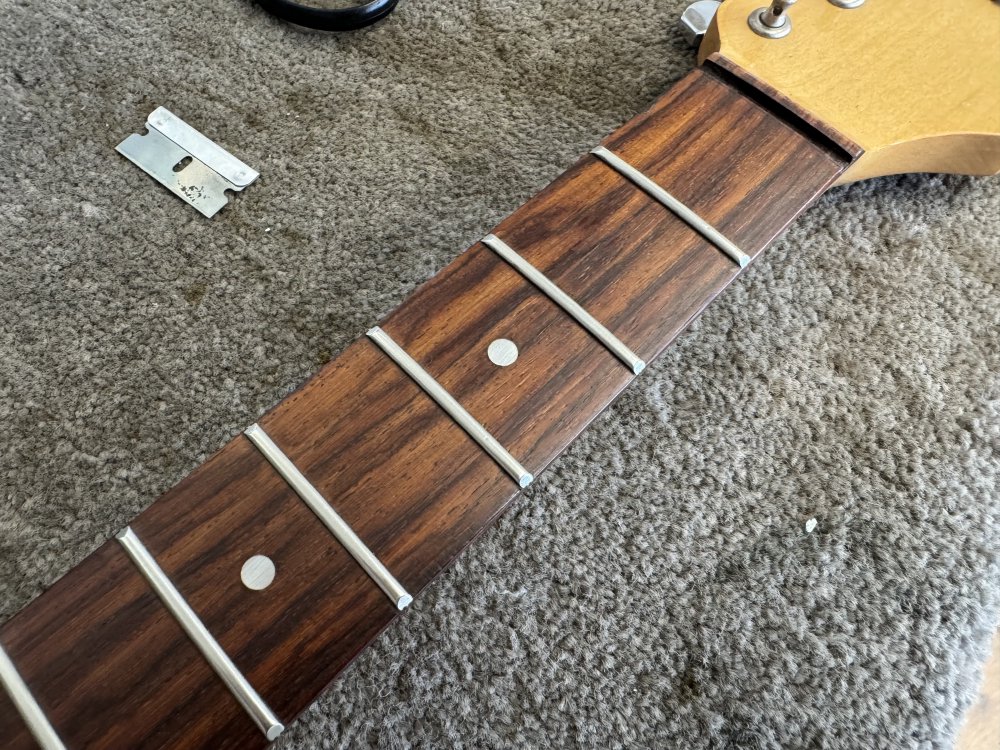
pixel 656 587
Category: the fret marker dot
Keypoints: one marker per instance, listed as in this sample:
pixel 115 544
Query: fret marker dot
pixel 502 352
pixel 257 573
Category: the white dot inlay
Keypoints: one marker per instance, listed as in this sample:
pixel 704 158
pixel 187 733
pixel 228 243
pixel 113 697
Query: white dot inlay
pixel 502 352
pixel 257 573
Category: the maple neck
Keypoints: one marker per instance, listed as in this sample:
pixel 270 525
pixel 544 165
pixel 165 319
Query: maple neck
pixel 109 665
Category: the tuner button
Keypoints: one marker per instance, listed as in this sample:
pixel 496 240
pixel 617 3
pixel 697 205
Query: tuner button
pixel 696 19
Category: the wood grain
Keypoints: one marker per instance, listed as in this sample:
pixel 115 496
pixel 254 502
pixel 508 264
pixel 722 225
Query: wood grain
pixel 112 669
pixel 108 664
pixel 633 264
pixel 926 97
pixel 12 729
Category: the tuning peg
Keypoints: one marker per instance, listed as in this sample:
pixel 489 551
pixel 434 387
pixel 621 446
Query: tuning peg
pixel 772 22
pixel 696 18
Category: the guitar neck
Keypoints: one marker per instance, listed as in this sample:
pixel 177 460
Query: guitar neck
pixel 109 665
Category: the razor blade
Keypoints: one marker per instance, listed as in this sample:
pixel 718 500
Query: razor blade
pixel 189 165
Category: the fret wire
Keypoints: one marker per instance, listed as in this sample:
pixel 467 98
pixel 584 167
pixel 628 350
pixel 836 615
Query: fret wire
pixel 189 621
pixel 454 409
pixel 26 705
pixel 337 526
pixel 697 223
pixel 567 303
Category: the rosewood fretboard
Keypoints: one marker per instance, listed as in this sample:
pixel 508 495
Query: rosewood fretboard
pixel 109 665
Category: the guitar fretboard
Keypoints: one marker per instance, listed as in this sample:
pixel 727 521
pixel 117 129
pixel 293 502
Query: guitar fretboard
pixel 109 665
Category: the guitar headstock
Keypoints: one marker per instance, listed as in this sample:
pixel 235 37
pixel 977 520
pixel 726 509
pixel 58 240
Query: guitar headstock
pixel 916 83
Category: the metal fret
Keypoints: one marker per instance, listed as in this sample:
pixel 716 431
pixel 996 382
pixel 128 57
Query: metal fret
pixel 244 693
pixel 454 409
pixel 697 223
pixel 330 518
pixel 567 303
pixel 26 705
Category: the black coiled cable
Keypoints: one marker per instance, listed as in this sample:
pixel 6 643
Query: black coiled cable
pixel 329 19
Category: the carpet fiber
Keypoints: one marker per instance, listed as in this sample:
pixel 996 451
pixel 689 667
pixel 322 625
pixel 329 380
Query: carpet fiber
pixel 656 587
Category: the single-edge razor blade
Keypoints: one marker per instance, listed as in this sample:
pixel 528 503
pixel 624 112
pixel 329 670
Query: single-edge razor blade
pixel 185 162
